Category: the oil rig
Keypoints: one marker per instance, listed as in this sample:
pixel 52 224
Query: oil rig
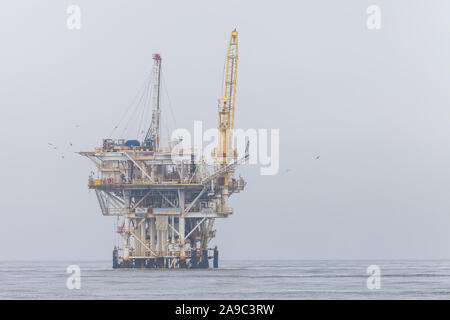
pixel 166 207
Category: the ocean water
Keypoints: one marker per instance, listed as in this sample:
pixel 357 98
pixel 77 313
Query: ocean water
pixel 399 279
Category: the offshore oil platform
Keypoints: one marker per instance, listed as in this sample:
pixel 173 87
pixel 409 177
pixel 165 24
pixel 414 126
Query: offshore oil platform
pixel 166 207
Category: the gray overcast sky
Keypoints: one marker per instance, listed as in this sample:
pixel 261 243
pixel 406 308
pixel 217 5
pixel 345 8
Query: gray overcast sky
pixel 373 104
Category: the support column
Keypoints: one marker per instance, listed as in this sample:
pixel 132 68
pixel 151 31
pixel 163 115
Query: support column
pixel 142 234
pixel 204 263
pixel 115 258
pixel 151 232
pixel 181 227
pixel 165 238
pixel 126 251
pixel 158 241
pixel 137 244
pixel 216 258
pixel 172 219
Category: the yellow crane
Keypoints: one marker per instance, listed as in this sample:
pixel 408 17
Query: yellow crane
pixel 225 154
pixel 227 104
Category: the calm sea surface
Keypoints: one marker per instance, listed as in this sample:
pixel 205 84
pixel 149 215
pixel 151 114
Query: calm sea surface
pixel 234 280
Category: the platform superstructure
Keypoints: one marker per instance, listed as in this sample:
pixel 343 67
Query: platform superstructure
pixel 167 206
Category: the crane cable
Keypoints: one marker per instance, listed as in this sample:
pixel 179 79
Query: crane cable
pixel 137 96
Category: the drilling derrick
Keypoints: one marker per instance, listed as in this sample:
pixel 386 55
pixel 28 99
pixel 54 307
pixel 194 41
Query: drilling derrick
pixel 153 132
pixel 166 206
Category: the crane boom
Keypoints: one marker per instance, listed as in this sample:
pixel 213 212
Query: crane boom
pixel 227 103
pixel 230 75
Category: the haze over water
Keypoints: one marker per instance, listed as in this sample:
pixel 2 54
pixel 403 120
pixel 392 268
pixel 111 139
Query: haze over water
pixel 326 279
